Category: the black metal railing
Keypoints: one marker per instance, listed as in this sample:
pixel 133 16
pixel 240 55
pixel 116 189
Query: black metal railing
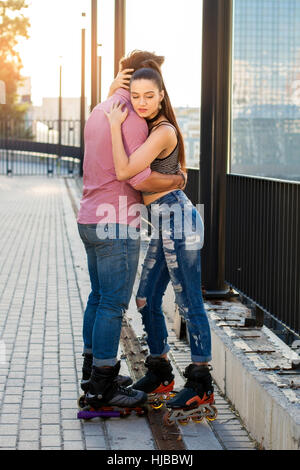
pixel 262 255
pixel 37 147
pixel 192 189
pixel 263 244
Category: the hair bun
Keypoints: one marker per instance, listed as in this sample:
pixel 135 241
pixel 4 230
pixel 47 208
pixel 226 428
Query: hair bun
pixel 151 64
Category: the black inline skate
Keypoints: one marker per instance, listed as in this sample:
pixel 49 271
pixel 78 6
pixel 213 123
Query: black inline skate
pixel 122 380
pixel 195 401
pixel 158 382
pixel 106 398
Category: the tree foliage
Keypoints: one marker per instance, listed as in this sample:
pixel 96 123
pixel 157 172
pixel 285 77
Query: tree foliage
pixel 14 25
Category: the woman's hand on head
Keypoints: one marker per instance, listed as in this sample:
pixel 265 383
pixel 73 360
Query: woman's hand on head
pixel 121 81
pixel 118 113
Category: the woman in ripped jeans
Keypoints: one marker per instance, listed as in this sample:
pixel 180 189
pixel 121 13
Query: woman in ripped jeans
pixel 174 252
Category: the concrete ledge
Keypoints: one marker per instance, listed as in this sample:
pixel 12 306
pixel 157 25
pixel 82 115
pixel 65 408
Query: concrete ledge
pixel 268 401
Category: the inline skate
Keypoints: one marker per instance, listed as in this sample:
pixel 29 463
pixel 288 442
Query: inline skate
pixel 196 401
pixel 158 382
pixel 122 380
pixel 106 398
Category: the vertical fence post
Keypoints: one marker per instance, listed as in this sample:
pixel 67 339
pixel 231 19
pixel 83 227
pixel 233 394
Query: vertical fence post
pixel 120 20
pixel 215 142
pixel 82 100
pixel 99 71
pixel 7 129
pixel 94 47
pixel 5 144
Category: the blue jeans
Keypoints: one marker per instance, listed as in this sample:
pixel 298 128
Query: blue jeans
pixel 112 265
pixel 174 254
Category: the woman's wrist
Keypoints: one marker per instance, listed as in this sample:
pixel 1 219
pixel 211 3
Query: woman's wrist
pixel 115 126
pixel 183 179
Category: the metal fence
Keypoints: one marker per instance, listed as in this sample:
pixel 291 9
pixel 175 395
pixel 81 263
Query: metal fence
pixel 36 147
pixel 192 188
pixel 262 215
pixel 262 254
pixel 263 244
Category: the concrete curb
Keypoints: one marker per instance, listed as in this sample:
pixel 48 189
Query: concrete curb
pixel 267 405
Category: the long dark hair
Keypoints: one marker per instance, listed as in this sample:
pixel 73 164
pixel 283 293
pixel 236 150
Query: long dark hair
pixel 151 71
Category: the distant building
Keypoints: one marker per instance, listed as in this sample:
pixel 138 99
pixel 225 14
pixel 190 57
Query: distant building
pixel 189 122
pixel 46 122
pixel 2 92
pixel 48 111
pixel 24 90
pixel 266 89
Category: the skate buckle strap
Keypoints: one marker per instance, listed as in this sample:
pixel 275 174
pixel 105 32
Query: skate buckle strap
pixel 164 388
pixel 196 400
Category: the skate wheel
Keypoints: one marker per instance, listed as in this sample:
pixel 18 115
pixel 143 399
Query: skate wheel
pixel 166 419
pixel 141 412
pixel 81 402
pixel 125 414
pixel 184 421
pixel 211 415
pixel 197 419
pixel 156 407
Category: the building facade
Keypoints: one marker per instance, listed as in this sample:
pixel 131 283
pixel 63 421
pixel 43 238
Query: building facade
pixel 266 88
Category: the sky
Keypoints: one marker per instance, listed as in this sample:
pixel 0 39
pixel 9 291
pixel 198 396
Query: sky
pixel 168 27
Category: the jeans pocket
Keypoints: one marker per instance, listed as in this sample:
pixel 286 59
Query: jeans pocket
pixel 90 237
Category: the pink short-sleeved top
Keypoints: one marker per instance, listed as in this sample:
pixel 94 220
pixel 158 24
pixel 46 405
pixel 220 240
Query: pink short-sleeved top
pixel 104 198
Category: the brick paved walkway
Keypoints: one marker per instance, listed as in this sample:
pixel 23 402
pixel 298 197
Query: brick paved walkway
pixel 40 326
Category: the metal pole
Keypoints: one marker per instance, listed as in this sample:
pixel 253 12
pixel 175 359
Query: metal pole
pixel 59 111
pixel 99 77
pixel 94 45
pixel 8 170
pixel 215 141
pixel 82 100
pixel 120 28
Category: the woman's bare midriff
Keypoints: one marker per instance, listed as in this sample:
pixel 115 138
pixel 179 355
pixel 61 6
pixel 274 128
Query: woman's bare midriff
pixel 153 197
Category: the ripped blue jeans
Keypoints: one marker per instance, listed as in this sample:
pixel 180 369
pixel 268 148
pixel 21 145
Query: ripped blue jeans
pixel 174 253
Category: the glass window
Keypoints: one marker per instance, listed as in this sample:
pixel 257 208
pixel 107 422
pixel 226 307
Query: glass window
pixel 266 88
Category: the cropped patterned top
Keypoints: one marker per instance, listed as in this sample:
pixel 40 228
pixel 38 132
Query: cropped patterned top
pixel 169 164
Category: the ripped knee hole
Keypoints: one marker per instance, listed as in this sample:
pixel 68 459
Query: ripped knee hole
pixel 141 302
